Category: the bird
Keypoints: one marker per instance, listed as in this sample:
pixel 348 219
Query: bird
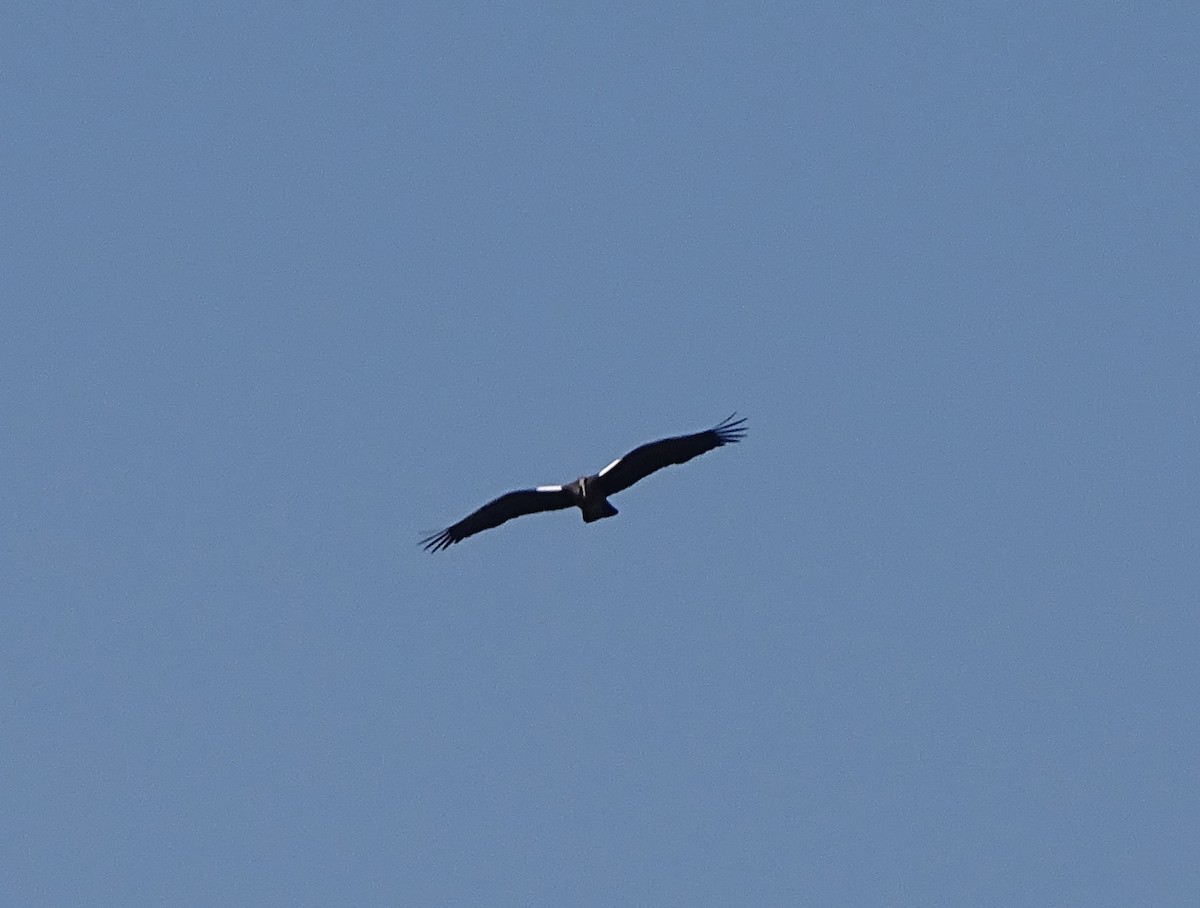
pixel 590 493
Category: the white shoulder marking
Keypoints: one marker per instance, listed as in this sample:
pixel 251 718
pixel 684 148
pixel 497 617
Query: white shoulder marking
pixel 609 467
pixel 548 489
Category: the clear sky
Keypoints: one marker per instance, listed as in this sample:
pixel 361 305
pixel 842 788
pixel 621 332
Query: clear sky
pixel 285 287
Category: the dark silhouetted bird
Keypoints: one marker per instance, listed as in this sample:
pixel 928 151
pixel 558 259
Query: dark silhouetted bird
pixel 590 493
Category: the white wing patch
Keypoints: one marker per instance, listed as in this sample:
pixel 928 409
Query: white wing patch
pixel 609 467
pixel 548 489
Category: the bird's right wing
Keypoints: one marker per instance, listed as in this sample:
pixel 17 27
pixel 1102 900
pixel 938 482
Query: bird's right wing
pixel 494 513
pixel 641 462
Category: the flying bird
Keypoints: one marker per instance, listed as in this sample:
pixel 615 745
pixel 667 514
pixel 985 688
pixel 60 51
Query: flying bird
pixel 590 493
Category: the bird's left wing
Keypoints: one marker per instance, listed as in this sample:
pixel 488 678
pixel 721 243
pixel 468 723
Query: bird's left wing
pixel 496 512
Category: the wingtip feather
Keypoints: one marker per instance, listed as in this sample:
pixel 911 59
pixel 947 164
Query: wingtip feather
pixel 731 429
pixel 437 541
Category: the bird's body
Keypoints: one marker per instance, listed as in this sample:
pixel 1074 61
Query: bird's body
pixel 590 493
pixel 591 503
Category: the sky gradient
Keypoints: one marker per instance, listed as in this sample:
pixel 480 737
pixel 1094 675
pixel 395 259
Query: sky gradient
pixel 286 288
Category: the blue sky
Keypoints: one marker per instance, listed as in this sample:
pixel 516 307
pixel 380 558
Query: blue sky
pixel 287 287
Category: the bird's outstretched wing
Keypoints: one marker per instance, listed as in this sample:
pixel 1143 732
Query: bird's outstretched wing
pixel 494 513
pixel 641 462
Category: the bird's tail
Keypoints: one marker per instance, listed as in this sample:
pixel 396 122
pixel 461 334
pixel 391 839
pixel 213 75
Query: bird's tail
pixel 597 509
